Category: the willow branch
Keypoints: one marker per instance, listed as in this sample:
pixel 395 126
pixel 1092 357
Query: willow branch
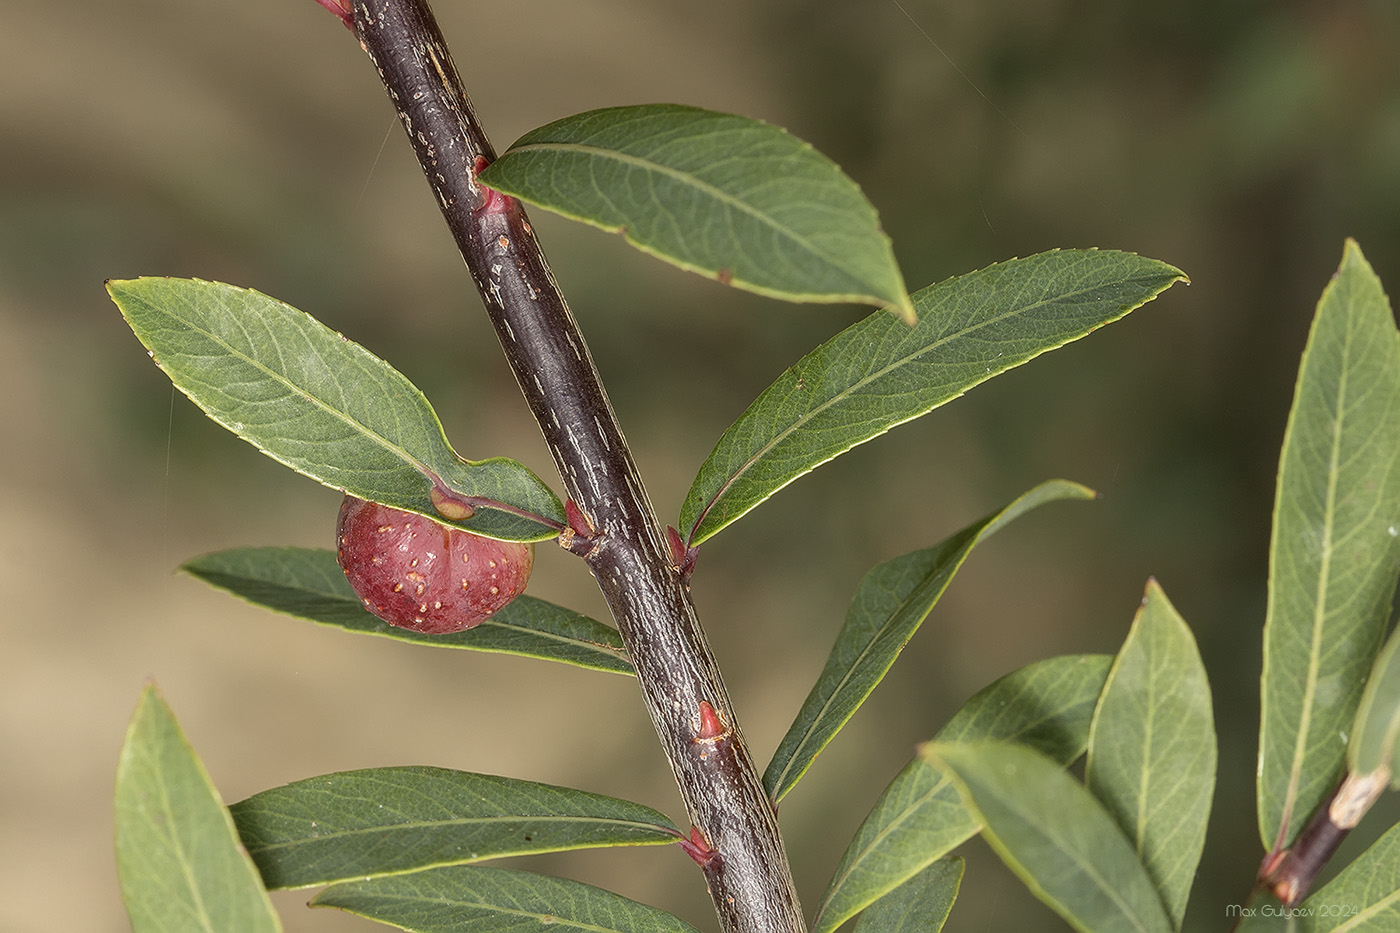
pixel 736 839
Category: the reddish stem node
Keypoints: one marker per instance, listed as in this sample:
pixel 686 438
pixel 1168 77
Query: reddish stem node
pixel 1290 874
pixel 581 536
pixel 492 201
pixel 341 8
pixel 580 523
pixel 711 726
pixel 698 847
pixel 682 557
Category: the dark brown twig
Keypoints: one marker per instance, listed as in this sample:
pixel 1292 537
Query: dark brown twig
pixel 1290 874
pixel 735 837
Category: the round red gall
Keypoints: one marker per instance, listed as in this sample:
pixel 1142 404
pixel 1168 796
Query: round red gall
pixel 416 574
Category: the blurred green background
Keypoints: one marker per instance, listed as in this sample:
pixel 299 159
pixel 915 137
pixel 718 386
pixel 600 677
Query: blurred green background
pixel 250 142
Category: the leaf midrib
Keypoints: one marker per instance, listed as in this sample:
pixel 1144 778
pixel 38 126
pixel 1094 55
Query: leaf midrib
pixel 232 351
pixel 186 863
pixel 1086 866
pixel 899 612
pixel 1300 742
pixel 1373 911
pixel 688 178
pixel 484 905
pixel 455 822
pixel 908 811
pixel 347 602
pixel 812 413
pixel 889 828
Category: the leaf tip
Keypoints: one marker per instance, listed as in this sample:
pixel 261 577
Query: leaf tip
pixel 904 310
pixel 115 287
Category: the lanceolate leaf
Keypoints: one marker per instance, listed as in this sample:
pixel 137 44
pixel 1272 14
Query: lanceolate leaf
pixel 324 406
pixel 879 373
pixel 386 821
pixel 1375 742
pixel 178 856
pixel 1152 748
pixel 890 604
pixel 718 194
pixel 920 817
pixel 1335 548
pixel 466 899
pixel 1364 898
pixel 1051 832
pixel 308 583
pixel 920 905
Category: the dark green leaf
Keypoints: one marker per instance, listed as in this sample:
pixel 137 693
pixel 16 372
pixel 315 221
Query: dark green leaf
pixel 890 604
pixel 178 857
pixel 324 406
pixel 1335 548
pixel 1152 748
pixel 722 195
pixel 879 373
pixel 307 583
pixel 920 905
pixel 467 899
pixel 1052 833
pixel 1364 898
pixel 920 818
pixel 385 821
pixel 1375 742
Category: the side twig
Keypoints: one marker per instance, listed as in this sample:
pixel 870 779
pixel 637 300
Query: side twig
pixel 735 837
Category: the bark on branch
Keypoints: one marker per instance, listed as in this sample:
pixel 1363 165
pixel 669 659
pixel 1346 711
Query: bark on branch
pixel 736 839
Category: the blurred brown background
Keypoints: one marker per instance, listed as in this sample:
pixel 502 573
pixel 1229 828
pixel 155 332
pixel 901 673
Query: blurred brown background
pixel 242 142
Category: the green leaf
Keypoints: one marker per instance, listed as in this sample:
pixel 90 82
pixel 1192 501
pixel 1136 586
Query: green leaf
pixel 308 583
pixel 920 817
pixel 722 195
pixel 1052 833
pixel 1364 898
pixel 920 905
pixel 878 373
pixel 1335 549
pixel 1375 742
pixel 385 821
pixel 324 406
pixel 1152 749
pixel 890 604
pixel 180 863
pixel 466 899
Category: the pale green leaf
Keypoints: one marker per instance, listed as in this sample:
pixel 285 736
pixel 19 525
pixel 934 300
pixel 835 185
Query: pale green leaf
pixel 1375 741
pixel 1335 548
pixel 324 406
pixel 469 899
pixel 385 821
pixel 722 195
pixel 920 817
pixel 308 583
pixel 181 867
pixel 878 373
pixel 890 604
pixel 1054 835
pixel 1364 898
pixel 920 905
pixel 1152 753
